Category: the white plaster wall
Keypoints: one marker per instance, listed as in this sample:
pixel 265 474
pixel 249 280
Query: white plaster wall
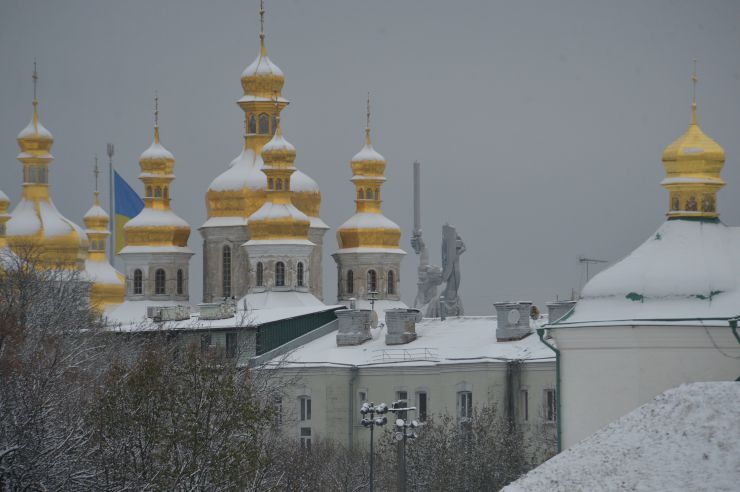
pixel 608 371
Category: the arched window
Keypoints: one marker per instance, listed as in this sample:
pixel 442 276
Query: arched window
pixel 32 174
pixel 279 274
pixel 350 282
pixel 166 193
pixel 391 283
pixel 369 194
pixel 138 281
pixel 299 274
pixel 157 192
pixel 372 281
pixel 361 194
pixel 226 271
pixel 159 281
pixel 252 124
pixel 148 191
pixel 42 175
pixel 270 184
pixel 278 184
pixel 260 274
pixel 264 124
pixel 377 193
pixel 180 282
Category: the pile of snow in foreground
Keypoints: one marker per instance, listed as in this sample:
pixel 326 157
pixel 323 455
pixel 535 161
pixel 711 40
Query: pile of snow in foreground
pixel 688 438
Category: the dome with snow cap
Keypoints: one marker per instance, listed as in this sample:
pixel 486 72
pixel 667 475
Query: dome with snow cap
pixel 36 227
pixel 240 190
pixel 108 286
pixel 262 77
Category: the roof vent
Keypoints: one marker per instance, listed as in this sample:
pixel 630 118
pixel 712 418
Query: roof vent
pixel 353 326
pixel 512 320
pixel 401 325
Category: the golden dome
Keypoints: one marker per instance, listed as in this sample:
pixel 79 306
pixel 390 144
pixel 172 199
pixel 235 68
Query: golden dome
pixel 4 217
pixel 156 225
pixel 262 78
pixel 368 228
pixel 693 163
pixel 36 227
pixel 108 285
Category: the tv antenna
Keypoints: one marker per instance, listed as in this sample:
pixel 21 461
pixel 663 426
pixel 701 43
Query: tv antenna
pixel 583 260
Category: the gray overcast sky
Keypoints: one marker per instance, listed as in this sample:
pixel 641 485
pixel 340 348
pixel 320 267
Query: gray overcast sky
pixel 539 125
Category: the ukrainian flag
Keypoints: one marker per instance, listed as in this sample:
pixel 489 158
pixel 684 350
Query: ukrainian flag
pixel 128 206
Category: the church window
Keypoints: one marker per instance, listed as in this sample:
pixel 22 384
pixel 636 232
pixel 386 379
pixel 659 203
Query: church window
pixel 369 194
pixel 278 184
pixel 166 193
pixel 465 405
pixel 550 399
pixel 180 282
pixel 159 281
pixel 264 124
pixel 226 271
pixel 280 274
pixel 42 175
pixel 372 281
pixel 421 405
pixel 361 194
pixel 299 274
pixel 138 281
pixel 270 184
pixel 260 274
pixel 32 174
pixel 350 282
pixel 305 407
pixel 148 191
pixel 252 124
pixel 391 282
pixel 157 192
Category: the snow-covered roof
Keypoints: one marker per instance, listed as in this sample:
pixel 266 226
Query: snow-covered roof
pixel 101 272
pixel 156 151
pixel 270 211
pixel 224 222
pixel 367 220
pixel 687 270
pixel 96 211
pixel 301 182
pixel 150 217
pixel 368 153
pixel 262 65
pixel 687 438
pixel 243 172
pixel 25 221
pixel 4 197
pixel 364 249
pixel 317 223
pixel 456 340
pixel 278 142
pixel 155 249
pixel 32 130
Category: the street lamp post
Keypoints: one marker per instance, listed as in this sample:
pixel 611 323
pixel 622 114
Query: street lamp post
pixel 403 430
pixel 368 411
pixel 372 296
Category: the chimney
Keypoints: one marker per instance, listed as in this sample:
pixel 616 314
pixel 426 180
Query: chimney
pixel 512 320
pixel 401 325
pixel 353 326
pixel 558 309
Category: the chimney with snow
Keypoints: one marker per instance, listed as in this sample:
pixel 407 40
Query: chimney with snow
pixel 401 325
pixel 558 309
pixel 512 320
pixel 353 326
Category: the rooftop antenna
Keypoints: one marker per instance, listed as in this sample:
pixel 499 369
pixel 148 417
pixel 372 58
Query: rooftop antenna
pixel 588 261
pixel 112 250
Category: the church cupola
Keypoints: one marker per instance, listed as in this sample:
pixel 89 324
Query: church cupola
pixel 4 217
pixel 156 251
pixel 369 256
pixel 108 286
pixel 693 163
pixel 36 226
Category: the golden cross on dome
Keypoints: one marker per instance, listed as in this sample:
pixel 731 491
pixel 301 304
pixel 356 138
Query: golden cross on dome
pixel 35 78
pixel 694 79
pixel 367 124
pixel 156 109
pixel 262 18
pixel 96 172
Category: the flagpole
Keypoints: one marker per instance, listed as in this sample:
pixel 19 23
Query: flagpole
pixel 111 210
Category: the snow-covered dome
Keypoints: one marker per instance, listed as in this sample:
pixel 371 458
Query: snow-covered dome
pixel 688 269
pixel 262 77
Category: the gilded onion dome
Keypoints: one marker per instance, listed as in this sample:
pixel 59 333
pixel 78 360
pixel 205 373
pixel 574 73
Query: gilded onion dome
pixel 278 218
pixel 693 163
pixel 108 286
pixel 368 228
pixel 156 225
pixel 36 227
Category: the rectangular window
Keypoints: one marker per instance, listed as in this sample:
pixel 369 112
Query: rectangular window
pixel 305 408
pixel 421 406
pixel 278 410
pixel 550 400
pixel 525 405
pixel 205 342
pixel 231 346
pixel 465 405
pixel 403 398
pixel 306 437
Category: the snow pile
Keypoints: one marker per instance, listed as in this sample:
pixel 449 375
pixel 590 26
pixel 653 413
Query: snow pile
pixel 262 66
pixel 368 153
pixel 243 172
pixel 686 270
pixel 156 152
pixel 149 217
pixel 301 182
pixel 35 130
pixel 688 438
pixel 101 272
pixel 23 219
pixel 367 220
pixel 96 211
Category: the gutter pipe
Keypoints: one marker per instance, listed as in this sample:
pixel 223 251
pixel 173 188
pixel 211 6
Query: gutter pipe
pixel 558 411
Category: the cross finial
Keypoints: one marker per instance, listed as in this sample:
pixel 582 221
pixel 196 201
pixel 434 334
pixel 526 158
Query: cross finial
pixel 156 109
pixel 96 172
pixel 694 80
pixel 367 123
pixel 262 19
pixel 35 78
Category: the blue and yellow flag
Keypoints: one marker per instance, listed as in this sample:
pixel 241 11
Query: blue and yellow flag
pixel 128 206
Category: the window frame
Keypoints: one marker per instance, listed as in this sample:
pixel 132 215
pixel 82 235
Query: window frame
pixel 279 274
pixel 226 271
pixel 231 344
pixel 160 282
pixel 299 274
pixel 138 282
pixel 372 281
pixel 180 282
pixel 422 411
pixel 549 403
pixel 464 405
pixel 350 282
pixel 304 407
pixel 305 438
pixel 391 281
